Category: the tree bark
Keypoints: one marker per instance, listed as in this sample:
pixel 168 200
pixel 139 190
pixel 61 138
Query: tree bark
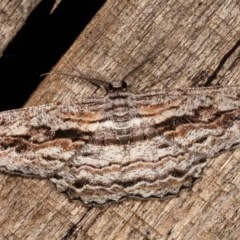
pixel 153 45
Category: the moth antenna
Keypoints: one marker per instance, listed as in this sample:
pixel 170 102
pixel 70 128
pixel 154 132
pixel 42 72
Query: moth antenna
pixel 95 81
pixel 152 54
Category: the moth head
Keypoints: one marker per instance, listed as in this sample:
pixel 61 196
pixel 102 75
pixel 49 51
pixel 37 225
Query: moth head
pixel 117 86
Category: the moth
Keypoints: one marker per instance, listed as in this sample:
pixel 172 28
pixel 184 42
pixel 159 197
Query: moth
pixel 122 145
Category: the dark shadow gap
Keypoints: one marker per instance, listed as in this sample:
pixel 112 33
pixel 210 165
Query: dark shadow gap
pixel 221 63
pixel 39 45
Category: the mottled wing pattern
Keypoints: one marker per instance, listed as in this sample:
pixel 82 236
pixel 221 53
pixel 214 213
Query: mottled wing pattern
pixel 123 145
pixel 39 141
pixel 203 121
pixel 152 145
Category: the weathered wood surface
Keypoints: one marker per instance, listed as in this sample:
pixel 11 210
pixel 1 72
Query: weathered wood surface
pixel 177 44
pixel 13 14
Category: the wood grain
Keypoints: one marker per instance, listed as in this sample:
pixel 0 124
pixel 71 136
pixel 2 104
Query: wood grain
pixel 13 15
pixel 175 44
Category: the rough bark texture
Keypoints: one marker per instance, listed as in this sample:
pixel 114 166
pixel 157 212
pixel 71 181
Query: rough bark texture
pixel 175 44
